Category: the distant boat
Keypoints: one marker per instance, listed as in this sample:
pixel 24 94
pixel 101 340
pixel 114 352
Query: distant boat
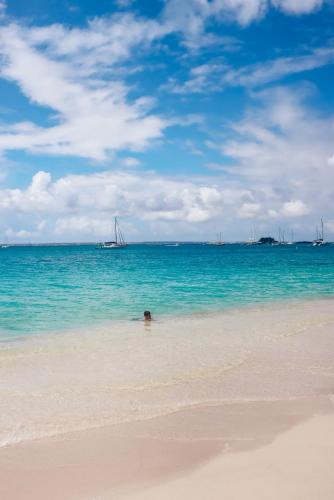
pixel 319 236
pixel 281 237
pixel 118 242
pixel 291 242
pixel 252 239
pixel 219 242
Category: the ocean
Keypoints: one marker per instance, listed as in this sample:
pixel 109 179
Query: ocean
pixel 232 323
pixel 56 288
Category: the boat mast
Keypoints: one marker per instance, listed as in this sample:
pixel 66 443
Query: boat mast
pixel 116 230
pixel 322 229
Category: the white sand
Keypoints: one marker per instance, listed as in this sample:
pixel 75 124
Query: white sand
pixel 286 458
pixel 298 465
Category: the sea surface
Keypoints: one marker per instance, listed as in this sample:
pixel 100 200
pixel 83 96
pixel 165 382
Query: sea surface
pixel 56 288
pixel 233 323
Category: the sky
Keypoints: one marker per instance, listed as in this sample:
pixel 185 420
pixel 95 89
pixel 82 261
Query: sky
pixel 184 118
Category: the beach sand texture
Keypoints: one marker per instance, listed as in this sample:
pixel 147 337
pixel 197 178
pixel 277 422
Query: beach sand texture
pixel 233 405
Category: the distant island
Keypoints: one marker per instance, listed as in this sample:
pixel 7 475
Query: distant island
pixel 267 241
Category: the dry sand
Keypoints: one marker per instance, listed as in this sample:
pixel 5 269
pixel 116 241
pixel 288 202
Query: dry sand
pixel 298 465
pixel 253 450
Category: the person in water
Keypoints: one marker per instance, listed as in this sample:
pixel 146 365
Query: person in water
pixel 147 316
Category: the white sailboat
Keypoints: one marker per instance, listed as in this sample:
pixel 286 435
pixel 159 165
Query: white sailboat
pixel 219 242
pixel 319 236
pixel 292 239
pixel 118 242
pixel 252 239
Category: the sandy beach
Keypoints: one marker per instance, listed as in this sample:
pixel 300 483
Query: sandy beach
pixel 166 250
pixel 260 428
pixel 282 449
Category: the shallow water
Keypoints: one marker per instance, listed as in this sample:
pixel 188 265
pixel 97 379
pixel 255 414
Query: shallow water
pixel 70 358
pixel 46 289
pixel 125 371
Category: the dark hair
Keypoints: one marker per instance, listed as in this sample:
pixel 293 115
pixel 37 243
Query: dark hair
pixel 147 313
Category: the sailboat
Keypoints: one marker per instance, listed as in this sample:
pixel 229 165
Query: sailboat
pixel 118 242
pixel 319 236
pixel 292 239
pixel 252 239
pixel 219 241
pixel 4 245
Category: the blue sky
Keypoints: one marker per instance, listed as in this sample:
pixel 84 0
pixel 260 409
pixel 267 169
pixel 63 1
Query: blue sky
pixel 183 118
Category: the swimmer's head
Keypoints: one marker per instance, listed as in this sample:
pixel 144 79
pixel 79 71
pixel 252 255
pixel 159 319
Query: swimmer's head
pixel 147 315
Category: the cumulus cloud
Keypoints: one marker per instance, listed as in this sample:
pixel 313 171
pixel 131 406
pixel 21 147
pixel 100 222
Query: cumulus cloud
pixel 81 207
pixel 87 203
pixel 275 161
pixel 295 208
pixel 282 147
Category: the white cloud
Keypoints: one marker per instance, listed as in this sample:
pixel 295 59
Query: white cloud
pixel 191 17
pixel 212 76
pixel 282 148
pixel 93 115
pixel 81 207
pixel 3 7
pixel 249 210
pixel 78 225
pixel 271 71
pixel 280 155
pixel 295 208
pixel 70 199
pixel 130 162
pixel 298 6
pixel 280 173
pixel 104 42
pixel 124 3
pixel 77 75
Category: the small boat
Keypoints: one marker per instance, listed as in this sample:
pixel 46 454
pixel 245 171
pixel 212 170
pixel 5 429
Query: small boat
pixel 281 237
pixel 292 240
pixel 118 242
pixel 219 242
pixel 319 241
pixel 252 239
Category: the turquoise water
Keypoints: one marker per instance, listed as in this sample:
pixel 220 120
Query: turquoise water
pixel 46 289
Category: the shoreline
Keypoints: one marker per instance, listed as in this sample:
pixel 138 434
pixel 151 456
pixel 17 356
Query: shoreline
pixel 172 405
pixel 270 304
pixel 147 371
